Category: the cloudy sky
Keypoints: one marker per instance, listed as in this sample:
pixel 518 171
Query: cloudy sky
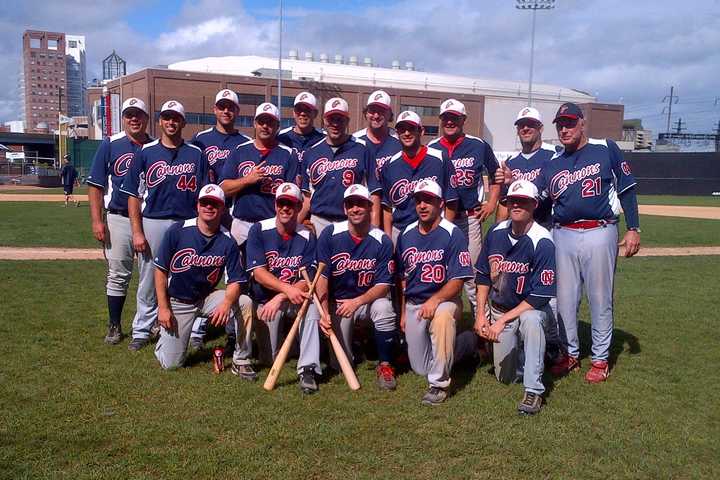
pixel 622 51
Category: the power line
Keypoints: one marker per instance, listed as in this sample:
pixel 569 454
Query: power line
pixel 679 126
pixel 670 104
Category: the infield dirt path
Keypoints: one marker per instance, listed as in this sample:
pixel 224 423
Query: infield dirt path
pixel 43 253
pixel 38 197
pixel 710 213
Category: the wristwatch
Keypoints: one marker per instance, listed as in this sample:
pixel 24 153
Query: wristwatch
pixel 634 229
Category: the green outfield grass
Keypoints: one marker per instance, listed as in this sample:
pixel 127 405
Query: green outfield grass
pixel 75 408
pixel 695 201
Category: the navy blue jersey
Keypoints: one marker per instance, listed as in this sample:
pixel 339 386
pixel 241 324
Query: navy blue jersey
pixel 326 175
pixel 400 175
pixel 68 174
pixel 168 180
pixel 585 184
pixel 428 261
pixel 380 153
pixel 528 167
pixel 353 265
pixel 217 147
pixel 283 256
pixel 470 156
pixel 257 202
pixel 299 142
pixel 195 262
pixel 526 264
pixel 111 163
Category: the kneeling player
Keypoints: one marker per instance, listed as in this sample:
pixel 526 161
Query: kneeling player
pixel 433 261
pixel 516 269
pixel 356 284
pixel 189 263
pixel 277 248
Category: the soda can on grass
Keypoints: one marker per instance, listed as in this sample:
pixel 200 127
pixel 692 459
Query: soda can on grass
pixel 218 360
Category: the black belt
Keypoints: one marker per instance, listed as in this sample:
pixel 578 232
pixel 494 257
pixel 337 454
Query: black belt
pixel 501 308
pixel 182 300
pixel 115 211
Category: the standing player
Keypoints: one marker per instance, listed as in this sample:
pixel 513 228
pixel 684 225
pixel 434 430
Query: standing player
pixel 111 163
pixel 69 177
pixel 255 170
pixel 218 142
pixel 332 165
pixel 162 184
pixel 527 164
pixel 518 262
pixel 189 264
pixel 588 181
pixel 413 164
pixel 355 287
pixel 471 156
pixel 277 248
pixel 381 141
pixel 303 134
pixel 433 262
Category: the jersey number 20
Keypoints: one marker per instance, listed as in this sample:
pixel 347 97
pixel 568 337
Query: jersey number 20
pixel 432 273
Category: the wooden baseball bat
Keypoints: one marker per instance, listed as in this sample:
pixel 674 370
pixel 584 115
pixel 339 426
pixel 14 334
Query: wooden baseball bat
pixel 342 358
pixel 282 355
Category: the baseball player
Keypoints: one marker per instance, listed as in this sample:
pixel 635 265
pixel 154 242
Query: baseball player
pixel 189 263
pixel 111 163
pixel 433 263
pixel 218 142
pixel 381 140
pixel 69 177
pixel 255 170
pixel 588 181
pixel 410 166
pixel 162 185
pixel 471 156
pixel 303 134
pixel 355 286
pixel 277 248
pixel 332 165
pixel 526 165
pixel 516 271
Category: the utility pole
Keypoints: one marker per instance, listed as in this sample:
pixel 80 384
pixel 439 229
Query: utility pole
pixel 533 5
pixel 717 137
pixel 679 126
pixel 279 79
pixel 671 99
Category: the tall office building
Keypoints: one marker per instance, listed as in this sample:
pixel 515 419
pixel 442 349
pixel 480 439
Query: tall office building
pixel 44 88
pixel 75 72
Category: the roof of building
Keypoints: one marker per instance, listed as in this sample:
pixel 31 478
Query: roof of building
pixel 377 77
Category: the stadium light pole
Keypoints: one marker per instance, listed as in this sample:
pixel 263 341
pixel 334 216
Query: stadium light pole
pixel 533 5
pixel 279 79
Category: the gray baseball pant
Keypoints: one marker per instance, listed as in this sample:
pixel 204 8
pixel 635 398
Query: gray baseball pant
pixel 146 314
pixel 270 336
pixel 586 257
pixel 320 223
pixel 472 228
pixel 526 330
pixel 171 348
pixel 380 313
pixel 433 346
pixel 120 255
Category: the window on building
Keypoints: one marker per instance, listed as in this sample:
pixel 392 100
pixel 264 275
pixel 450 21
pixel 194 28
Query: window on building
pixel 250 99
pixel 432 131
pixel 244 121
pixel 52 44
pixel 34 43
pixel 287 102
pixel 72 43
pixel 287 122
pixel 422 110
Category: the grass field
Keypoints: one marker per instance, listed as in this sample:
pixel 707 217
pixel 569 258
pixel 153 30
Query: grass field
pixel 35 224
pixel 75 408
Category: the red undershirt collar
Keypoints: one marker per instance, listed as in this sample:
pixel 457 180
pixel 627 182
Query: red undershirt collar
pixel 355 239
pixel 451 146
pixel 417 159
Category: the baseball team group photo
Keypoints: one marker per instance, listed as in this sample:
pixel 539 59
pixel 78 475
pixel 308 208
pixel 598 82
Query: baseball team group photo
pixel 352 275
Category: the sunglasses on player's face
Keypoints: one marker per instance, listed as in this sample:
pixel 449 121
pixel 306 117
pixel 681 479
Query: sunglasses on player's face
pixel 566 122
pixel 206 202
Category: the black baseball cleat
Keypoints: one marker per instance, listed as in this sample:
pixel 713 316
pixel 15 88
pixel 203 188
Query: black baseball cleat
pixel 138 344
pixel 114 335
pixel 246 372
pixel 530 404
pixel 308 384
pixel 434 396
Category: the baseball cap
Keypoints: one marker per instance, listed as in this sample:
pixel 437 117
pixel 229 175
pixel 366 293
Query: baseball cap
pixel 357 190
pixel 267 108
pixel 522 189
pixel 306 98
pixel 173 106
pixel 227 94
pixel 213 192
pixel 569 110
pixel 409 116
pixel 528 113
pixel 453 106
pixel 336 105
pixel 380 98
pixel 133 102
pixel 289 191
pixel 428 186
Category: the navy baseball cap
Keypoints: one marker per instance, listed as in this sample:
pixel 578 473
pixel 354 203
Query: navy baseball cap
pixel 569 110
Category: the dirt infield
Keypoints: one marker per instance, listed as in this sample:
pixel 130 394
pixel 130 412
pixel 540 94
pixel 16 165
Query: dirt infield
pixel 38 197
pixel 709 213
pixel 43 253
